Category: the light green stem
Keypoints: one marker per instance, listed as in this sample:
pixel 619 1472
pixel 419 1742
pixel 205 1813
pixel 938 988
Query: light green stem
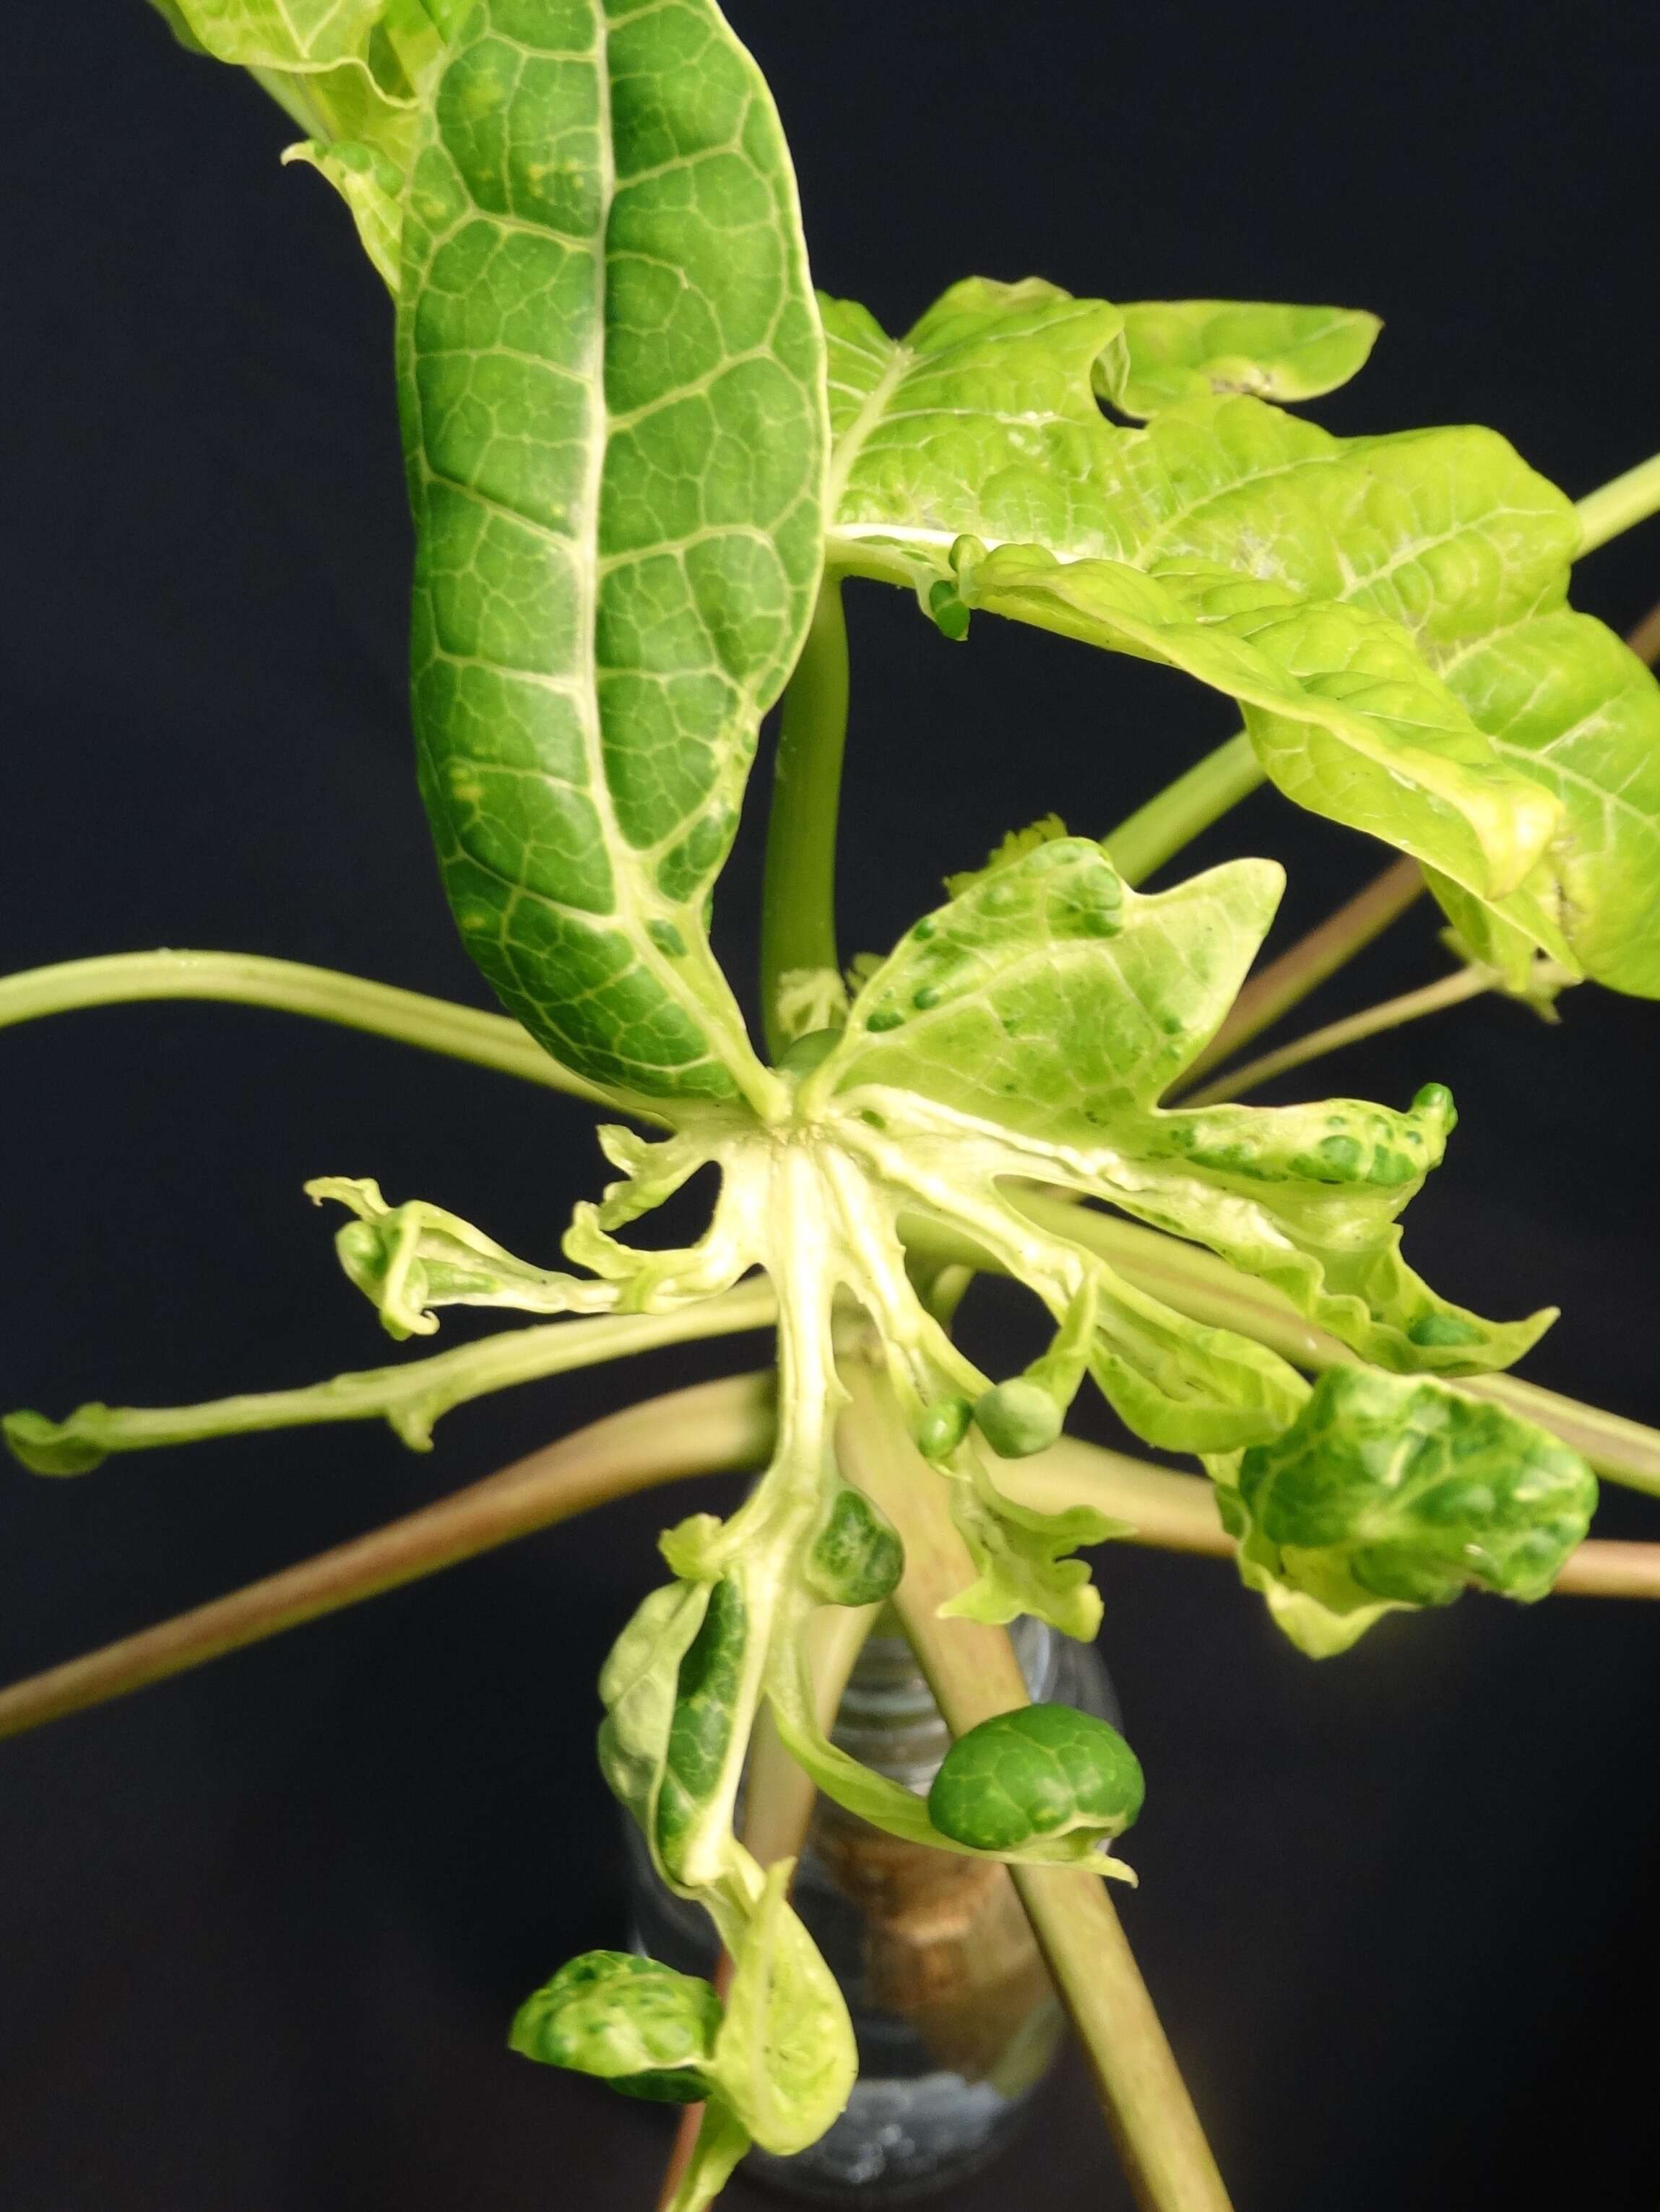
pixel 1448 991
pixel 973 1673
pixel 249 979
pixel 1174 815
pixel 709 1429
pixel 410 1397
pixel 798 913
pixel 1618 506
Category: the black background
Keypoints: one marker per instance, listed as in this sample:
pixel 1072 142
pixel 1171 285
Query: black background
pixel 262 1928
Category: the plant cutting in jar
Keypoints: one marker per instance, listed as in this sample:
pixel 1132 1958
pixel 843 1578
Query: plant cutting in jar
pixel 644 458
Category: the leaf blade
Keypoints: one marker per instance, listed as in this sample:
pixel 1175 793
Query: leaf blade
pixel 610 369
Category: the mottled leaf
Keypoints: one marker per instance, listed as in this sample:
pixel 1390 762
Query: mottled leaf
pixel 644 2028
pixel 1051 1001
pixel 1041 1770
pixel 611 377
pixel 1390 1494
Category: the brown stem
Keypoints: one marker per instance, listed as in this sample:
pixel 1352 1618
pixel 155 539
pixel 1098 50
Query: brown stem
pixel 973 1673
pixel 710 1428
pixel 1174 1512
pixel 1372 1021
pixel 1287 981
pixel 1644 640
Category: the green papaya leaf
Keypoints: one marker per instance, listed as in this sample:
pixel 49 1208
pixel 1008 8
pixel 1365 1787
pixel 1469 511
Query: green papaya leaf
pixel 1177 349
pixel 1051 998
pixel 1306 1197
pixel 371 183
pixel 784 2059
pixel 1390 1494
pixel 644 2028
pixel 639 1687
pixel 1345 715
pixel 700 1749
pixel 1051 1002
pixel 1024 1563
pixel 1570 705
pixel 1444 534
pixel 611 370
pixel 888 1805
pixel 979 419
pixel 351 73
pixel 1041 1770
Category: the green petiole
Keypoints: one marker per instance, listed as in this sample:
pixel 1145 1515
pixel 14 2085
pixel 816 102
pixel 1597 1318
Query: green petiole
pixel 250 979
pixel 409 1398
pixel 801 988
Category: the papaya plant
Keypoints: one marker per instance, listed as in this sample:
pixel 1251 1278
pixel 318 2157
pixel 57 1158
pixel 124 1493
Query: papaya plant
pixel 644 458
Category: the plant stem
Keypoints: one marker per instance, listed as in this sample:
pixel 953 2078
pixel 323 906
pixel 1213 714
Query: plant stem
pixel 411 1396
pixel 714 1428
pixel 973 1673
pixel 710 1429
pixel 1207 1290
pixel 1644 640
pixel 1173 1512
pixel 1391 1013
pixel 798 912
pixel 249 979
pixel 1617 506
pixel 1308 964
pixel 1174 815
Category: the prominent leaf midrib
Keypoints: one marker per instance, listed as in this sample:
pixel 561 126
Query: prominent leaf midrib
pixel 852 442
pixel 582 685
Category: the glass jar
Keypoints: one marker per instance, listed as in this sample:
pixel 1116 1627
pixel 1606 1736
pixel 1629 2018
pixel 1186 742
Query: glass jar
pixel 956 2020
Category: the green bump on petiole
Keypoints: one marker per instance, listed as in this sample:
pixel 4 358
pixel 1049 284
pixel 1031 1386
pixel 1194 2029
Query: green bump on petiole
pixel 1017 1417
pixel 943 1426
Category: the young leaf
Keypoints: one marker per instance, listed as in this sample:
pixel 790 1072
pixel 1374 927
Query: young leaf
pixel 1054 1003
pixel 644 2028
pixel 1177 349
pixel 612 375
pixel 1306 1197
pixel 1023 1560
pixel 784 2059
pixel 1051 998
pixel 408 1259
pixel 1389 1493
pixel 1040 1771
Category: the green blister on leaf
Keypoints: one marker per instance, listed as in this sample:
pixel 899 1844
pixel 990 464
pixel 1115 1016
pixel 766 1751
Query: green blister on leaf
pixel 610 370
pixel 857 1558
pixel 644 2028
pixel 1394 1493
pixel 1043 1771
pixel 1017 1417
pixel 700 1739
